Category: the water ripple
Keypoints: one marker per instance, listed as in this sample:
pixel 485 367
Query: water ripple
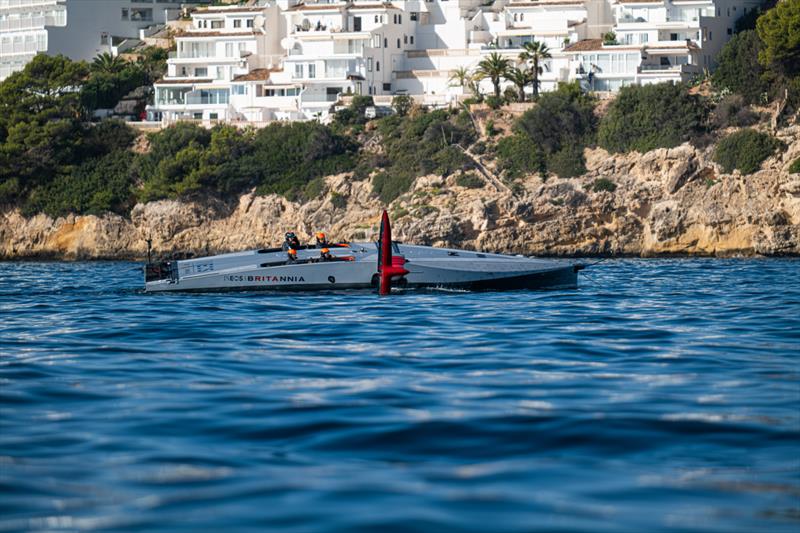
pixel 663 395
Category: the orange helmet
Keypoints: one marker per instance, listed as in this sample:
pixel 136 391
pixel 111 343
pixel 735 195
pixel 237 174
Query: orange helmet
pixel 325 251
pixel 292 251
pixel 320 235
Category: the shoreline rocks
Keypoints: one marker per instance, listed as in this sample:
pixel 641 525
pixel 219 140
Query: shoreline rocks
pixel 666 202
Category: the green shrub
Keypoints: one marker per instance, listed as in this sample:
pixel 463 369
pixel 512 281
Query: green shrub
pixel 419 144
pixel 603 184
pixel 738 69
pixel 490 130
pixel 567 162
pixel 479 148
pixel 745 150
pixel 402 104
pixel 495 102
pixel 564 117
pixel 389 186
pixel 609 38
pixel 645 117
pixel 470 180
pixel 98 185
pixel 518 155
pixel 280 158
pixel 732 111
pixel 794 168
pixel 338 200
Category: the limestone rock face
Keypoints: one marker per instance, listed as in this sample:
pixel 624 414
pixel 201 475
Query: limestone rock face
pixel 667 201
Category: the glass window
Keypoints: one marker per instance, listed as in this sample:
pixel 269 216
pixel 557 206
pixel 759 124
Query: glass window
pixel 200 72
pixel 217 24
pixel 142 14
pixel 312 70
pixel 124 13
pixel 298 70
pixel 249 23
pixel 237 23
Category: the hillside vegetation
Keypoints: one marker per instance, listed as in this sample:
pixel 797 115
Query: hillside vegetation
pixel 54 160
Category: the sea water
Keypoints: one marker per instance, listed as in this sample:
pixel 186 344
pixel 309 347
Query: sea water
pixel 662 395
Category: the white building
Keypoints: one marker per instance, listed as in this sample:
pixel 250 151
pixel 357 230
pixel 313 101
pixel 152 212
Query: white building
pixel 223 46
pixel 23 30
pixel 658 41
pixel 98 26
pixel 293 59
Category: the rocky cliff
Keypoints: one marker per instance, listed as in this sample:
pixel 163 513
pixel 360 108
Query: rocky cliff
pixel 666 201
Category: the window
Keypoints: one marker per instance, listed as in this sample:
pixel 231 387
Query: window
pixel 385 42
pixel 217 24
pixel 399 18
pixel 643 38
pixel 220 73
pixel 377 66
pixel 124 13
pixel 213 116
pixel 197 116
pixel 369 64
pixel 104 38
pixel 405 39
pixel 411 39
pixel 387 86
pixel 414 16
pixel 239 89
pixel 199 72
pixel 229 50
pixel 298 70
pixel 237 23
pixel 249 23
pixel 312 70
pixel 377 19
pixel 710 37
pixel 142 14
pixel 398 42
pixel 730 31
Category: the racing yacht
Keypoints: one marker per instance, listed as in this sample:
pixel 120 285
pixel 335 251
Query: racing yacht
pixel 380 265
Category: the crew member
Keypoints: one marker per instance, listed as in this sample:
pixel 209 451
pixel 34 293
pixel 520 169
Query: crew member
pixel 291 242
pixel 325 255
pixel 291 255
pixel 322 240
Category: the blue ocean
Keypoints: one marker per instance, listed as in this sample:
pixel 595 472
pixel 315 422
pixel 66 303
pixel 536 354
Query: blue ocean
pixel 661 395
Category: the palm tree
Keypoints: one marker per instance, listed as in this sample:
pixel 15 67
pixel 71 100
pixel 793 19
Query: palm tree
pixel 520 78
pixel 494 67
pixel 108 63
pixel 536 53
pixel 460 77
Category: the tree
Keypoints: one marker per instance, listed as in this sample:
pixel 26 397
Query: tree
pixel 520 78
pixel 779 30
pixel 460 77
pixel 45 89
pixel 494 67
pixel 535 53
pixel 108 63
pixel 644 117
pixel 739 69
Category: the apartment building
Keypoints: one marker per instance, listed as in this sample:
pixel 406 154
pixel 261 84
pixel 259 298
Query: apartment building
pixel 24 30
pixel 100 26
pixel 293 59
pixel 223 46
pixel 657 41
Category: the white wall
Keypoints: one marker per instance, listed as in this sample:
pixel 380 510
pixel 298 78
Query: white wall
pixel 87 20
